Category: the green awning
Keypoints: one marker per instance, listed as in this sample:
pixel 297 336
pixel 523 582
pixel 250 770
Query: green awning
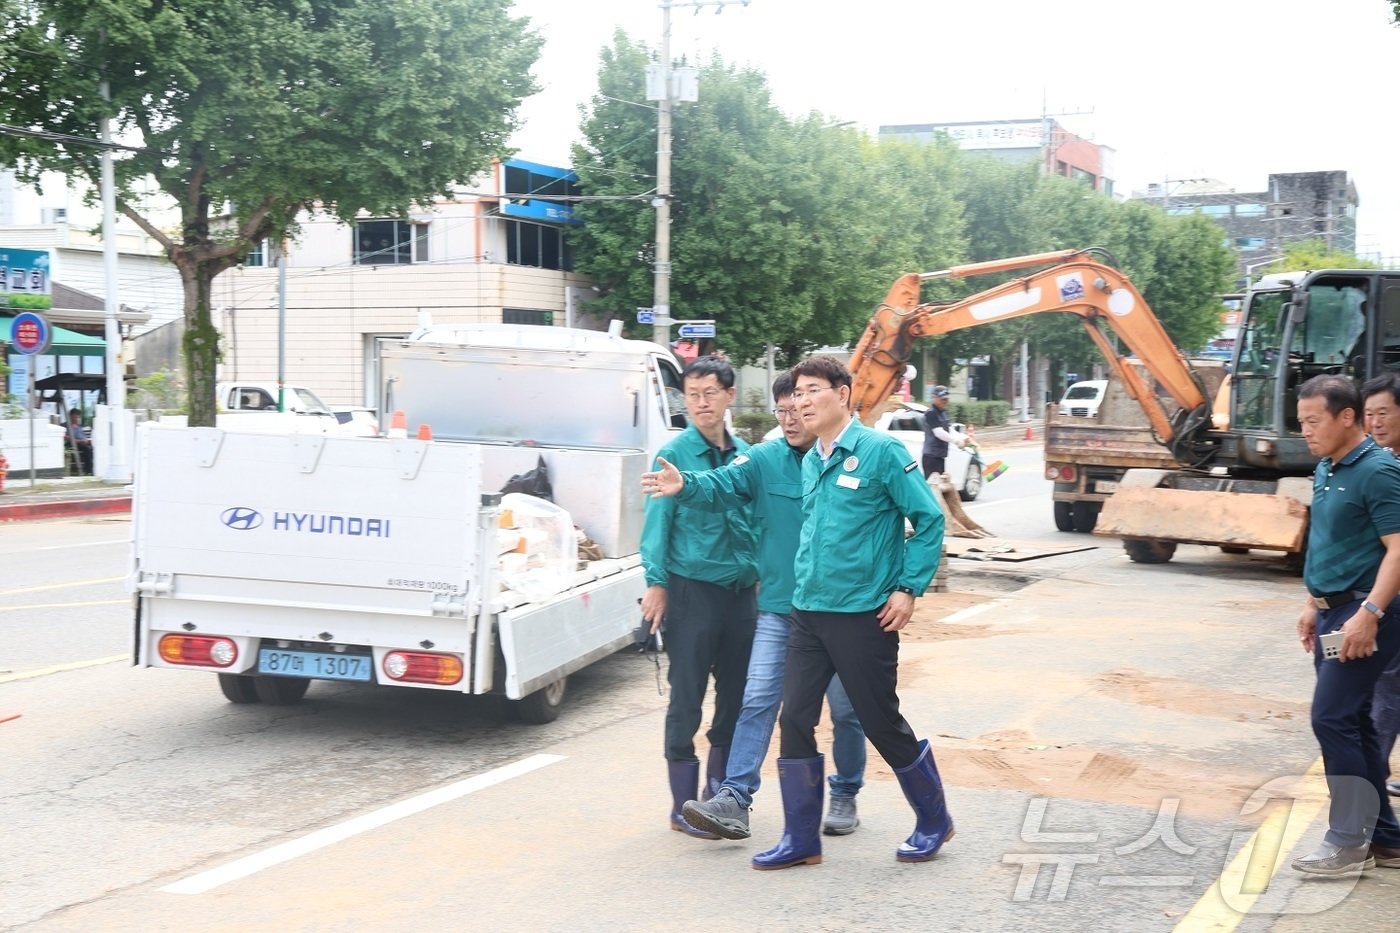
pixel 65 342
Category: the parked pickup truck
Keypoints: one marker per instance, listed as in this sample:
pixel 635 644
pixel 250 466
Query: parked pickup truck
pixel 276 560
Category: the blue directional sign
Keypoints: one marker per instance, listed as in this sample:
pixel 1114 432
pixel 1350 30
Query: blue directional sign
pixel 646 316
pixel 693 331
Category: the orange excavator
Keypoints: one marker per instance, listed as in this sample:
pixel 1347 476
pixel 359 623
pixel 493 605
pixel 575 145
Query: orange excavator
pixel 1243 481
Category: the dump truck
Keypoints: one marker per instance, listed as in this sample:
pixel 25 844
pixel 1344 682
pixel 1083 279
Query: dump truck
pixel 1239 471
pixel 274 561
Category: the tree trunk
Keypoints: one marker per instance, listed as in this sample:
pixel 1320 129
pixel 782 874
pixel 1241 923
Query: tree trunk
pixel 201 341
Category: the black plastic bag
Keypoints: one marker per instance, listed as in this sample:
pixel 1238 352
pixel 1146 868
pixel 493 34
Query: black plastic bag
pixel 534 483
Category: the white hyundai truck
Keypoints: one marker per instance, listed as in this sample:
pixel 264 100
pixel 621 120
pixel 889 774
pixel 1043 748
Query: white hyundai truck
pixel 275 560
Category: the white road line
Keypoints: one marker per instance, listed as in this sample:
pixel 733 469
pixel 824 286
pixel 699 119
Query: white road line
pixel 71 584
pixel 972 506
pixel 962 615
pixel 207 881
pixel 60 547
pixel 60 668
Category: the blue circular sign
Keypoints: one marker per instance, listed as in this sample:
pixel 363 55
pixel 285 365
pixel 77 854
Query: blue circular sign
pixel 30 333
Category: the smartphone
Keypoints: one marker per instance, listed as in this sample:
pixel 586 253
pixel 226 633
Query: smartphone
pixel 1331 643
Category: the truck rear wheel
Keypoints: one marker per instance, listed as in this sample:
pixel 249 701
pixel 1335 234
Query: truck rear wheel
pixel 544 704
pixel 238 688
pixel 281 691
pixel 1086 515
pixel 1064 516
pixel 1149 550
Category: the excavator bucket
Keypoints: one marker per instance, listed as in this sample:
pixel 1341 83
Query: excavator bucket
pixel 958 524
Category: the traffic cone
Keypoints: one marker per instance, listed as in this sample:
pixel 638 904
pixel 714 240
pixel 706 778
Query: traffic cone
pixel 425 432
pixel 1030 434
pixel 398 425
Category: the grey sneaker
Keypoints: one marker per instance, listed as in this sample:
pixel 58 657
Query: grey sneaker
pixel 721 814
pixel 1328 859
pixel 841 819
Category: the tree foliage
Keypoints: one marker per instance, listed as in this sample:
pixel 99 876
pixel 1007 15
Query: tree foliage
pixel 1315 254
pixel 250 111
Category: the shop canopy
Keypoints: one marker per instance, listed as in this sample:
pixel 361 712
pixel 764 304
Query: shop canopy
pixel 65 342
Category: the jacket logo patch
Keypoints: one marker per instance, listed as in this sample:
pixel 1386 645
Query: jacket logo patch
pixel 851 463
pixel 741 459
pixel 911 467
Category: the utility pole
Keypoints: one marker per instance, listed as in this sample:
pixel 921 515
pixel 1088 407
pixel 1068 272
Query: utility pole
pixel 661 261
pixel 115 467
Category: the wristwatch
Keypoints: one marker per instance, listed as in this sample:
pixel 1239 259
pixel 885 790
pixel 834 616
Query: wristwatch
pixel 904 589
pixel 1372 607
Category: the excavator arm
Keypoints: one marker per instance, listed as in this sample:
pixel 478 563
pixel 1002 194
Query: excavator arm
pixel 1073 283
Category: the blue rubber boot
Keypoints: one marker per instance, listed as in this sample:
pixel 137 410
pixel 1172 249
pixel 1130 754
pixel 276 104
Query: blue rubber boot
pixel 924 791
pixel 685 778
pixel 715 767
pixel 802 786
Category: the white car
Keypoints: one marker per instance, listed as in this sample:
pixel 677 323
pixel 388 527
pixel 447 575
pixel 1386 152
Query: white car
pixel 1082 400
pixel 906 422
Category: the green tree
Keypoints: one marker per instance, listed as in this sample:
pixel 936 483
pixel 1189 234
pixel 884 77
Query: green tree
pixel 1315 254
pixel 250 111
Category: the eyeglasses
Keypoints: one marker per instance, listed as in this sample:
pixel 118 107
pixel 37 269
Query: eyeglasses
pixel 781 413
pixel 800 394
pixel 708 395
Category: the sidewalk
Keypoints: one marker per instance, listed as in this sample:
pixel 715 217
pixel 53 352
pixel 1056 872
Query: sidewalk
pixel 60 498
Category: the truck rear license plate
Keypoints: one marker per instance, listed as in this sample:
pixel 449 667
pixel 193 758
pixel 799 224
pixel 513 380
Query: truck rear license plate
pixel 284 663
pixel 1106 485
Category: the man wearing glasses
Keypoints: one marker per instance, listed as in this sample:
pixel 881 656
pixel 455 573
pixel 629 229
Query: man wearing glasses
pixel 768 476
pixel 857 577
pixel 700 571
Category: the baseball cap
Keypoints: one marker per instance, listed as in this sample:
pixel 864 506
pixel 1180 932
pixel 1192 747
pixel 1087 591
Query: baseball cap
pixel 940 391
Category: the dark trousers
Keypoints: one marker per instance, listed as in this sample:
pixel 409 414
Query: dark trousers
pixel 933 464
pixel 853 645
pixel 1341 720
pixel 709 629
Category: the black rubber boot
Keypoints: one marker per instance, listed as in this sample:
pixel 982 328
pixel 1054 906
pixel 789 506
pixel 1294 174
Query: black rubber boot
pixel 714 770
pixel 685 778
pixel 924 791
pixel 802 786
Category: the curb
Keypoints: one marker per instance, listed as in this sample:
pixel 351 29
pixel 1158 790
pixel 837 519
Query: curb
pixel 64 508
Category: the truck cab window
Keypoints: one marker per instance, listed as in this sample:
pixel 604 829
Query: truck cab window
pixel 671 398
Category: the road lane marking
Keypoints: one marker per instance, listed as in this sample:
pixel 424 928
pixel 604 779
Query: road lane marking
pixel 60 668
pixel 60 547
pixel 59 586
pixel 1250 871
pixel 996 502
pixel 963 615
pixel 207 881
pixel 90 602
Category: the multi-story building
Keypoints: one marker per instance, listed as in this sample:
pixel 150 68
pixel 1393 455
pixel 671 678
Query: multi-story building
pixel 1259 225
pixel 1041 140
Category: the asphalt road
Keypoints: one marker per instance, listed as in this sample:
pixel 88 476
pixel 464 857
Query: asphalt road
pixel 1112 735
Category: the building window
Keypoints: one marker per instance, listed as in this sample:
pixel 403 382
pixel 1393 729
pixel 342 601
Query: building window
pixel 383 242
pixel 527 316
pixel 1249 242
pixel 420 242
pixel 1078 174
pixel 1250 210
pixel 257 256
pixel 1215 210
pixel 537 245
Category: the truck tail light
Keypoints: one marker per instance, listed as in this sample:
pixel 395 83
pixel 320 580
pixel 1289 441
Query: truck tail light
pixel 421 667
pixel 1060 473
pixel 202 650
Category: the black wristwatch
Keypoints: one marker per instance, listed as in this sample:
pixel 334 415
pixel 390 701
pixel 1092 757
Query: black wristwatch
pixel 904 589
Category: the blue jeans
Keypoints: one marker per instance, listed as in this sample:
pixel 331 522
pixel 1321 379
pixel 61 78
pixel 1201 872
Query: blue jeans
pixel 762 694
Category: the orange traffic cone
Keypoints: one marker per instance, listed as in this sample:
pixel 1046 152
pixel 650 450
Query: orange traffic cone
pixel 398 425
pixel 425 432
pixel 1030 434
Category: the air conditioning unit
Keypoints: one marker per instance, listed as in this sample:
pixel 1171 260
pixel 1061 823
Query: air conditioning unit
pixel 55 215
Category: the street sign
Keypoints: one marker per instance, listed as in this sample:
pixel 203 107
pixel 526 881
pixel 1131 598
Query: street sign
pixel 646 316
pixel 693 331
pixel 30 333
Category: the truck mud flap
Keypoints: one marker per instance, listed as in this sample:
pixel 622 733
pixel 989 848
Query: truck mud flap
pixel 1227 519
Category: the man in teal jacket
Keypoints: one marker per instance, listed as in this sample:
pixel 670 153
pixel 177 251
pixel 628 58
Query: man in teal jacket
pixel 768 476
pixel 857 577
pixel 700 571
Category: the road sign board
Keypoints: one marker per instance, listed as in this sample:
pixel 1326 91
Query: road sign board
pixel 30 333
pixel 646 316
pixel 692 331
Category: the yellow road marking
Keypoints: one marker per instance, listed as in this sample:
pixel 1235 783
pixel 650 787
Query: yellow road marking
pixel 91 602
pixel 60 668
pixel 59 586
pixel 1257 862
